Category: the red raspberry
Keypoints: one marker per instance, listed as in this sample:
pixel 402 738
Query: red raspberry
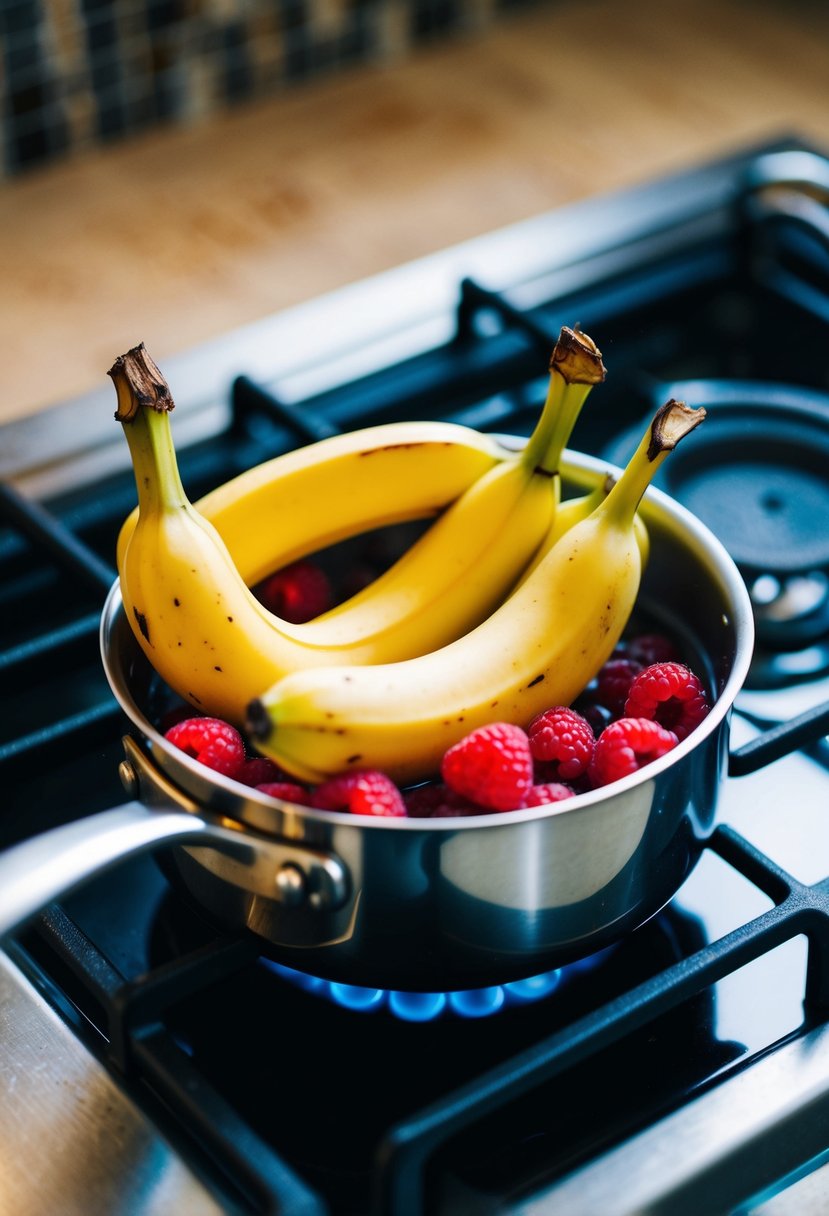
pixel 613 684
pixel 288 791
pixel 439 802
pixel 563 738
pixel 626 746
pixel 297 592
pixel 366 792
pixel 648 648
pixel 259 770
pixel 553 791
pixel 670 694
pixel 212 742
pixel 492 766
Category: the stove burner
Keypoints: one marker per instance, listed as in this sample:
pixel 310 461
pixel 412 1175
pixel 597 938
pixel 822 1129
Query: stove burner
pixel 794 611
pixel 429 1006
pixel 756 472
pixel 756 476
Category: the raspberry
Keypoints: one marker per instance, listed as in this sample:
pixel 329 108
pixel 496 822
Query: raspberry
pixel 647 648
pixel 626 746
pixel 212 742
pixel 439 802
pixel 553 791
pixel 259 770
pixel 613 684
pixel 670 694
pixel 366 792
pixel 492 766
pixel 564 738
pixel 297 592
pixel 287 791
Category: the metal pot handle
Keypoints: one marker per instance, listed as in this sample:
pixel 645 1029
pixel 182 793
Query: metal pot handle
pixel 779 741
pixel 53 864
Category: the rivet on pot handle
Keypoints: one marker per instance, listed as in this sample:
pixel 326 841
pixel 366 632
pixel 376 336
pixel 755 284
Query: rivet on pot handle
pixel 287 871
pixel 779 741
pixel 52 865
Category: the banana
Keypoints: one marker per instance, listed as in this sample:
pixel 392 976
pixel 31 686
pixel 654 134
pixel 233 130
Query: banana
pixel 281 510
pixel 192 613
pixel 392 473
pixel 571 512
pixel 540 648
pixel 459 570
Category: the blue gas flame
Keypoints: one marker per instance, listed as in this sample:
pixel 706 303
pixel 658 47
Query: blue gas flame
pixel 428 1006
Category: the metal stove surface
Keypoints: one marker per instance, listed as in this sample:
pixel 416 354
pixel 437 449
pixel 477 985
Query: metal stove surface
pixel 149 1063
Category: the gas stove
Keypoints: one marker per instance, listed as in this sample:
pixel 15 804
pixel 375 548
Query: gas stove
pixel 152 1063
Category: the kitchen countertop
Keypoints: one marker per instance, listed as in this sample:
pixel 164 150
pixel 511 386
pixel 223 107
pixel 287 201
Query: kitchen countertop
pixel 182 234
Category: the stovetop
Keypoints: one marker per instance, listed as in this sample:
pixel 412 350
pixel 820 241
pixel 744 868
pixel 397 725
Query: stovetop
pixel 207 1078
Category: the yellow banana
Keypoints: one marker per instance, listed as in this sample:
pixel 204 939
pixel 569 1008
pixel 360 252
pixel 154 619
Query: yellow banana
pixel 571 512
pixel 191 612
pixel 193 616
pixel 464 565
pixel 305 500
pixel 540 648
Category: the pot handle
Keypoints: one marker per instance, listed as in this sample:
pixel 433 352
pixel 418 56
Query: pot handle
pixel 779 741
pixel 53 864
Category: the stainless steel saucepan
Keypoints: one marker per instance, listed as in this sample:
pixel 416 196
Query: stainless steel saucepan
pixel 418 904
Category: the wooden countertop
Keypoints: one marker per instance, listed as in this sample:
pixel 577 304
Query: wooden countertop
pixel 183 234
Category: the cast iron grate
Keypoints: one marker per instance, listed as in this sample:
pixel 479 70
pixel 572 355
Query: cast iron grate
pixel 137 1041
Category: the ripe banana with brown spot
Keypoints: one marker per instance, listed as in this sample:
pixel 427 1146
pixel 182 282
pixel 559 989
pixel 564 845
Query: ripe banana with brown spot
pixel 540 648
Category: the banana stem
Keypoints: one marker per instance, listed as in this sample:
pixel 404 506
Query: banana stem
pixel 671 423
pixel 144 405
pixel 575 366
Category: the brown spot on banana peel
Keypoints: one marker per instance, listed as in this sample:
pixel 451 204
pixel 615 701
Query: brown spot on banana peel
pixel 142 625
pixel 577 358
pixel 393 447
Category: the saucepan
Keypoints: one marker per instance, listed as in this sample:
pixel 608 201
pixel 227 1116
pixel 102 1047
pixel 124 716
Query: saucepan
pixel 420 904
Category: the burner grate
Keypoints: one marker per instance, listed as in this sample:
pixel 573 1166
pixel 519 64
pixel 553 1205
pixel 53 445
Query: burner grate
pixel 798 909
pixel 137 1017
pixel 74 573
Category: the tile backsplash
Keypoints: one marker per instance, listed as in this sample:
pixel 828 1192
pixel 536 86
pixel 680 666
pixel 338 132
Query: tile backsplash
pixel 79 72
